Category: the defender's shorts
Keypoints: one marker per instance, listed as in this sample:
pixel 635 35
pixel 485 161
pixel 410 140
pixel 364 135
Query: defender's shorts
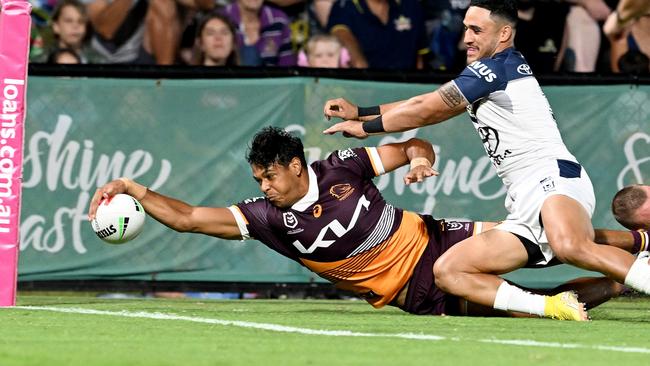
pixel 525 198
pixel 423 297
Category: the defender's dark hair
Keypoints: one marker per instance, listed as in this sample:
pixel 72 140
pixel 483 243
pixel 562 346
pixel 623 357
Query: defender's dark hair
pixel 275 145
pixel 506 9
pixel 625 203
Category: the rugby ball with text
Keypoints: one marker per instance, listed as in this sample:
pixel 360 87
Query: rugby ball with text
pixel 118 219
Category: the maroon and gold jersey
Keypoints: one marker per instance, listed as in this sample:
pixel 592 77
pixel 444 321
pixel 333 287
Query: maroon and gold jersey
pixel 342 229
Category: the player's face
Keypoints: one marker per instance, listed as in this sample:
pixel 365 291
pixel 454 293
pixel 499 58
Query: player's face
pixel 481 34
pixel 70 27
pixel 278 183
pixel 216 42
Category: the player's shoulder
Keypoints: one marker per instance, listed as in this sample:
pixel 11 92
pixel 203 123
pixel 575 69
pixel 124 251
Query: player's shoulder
pixel 505 66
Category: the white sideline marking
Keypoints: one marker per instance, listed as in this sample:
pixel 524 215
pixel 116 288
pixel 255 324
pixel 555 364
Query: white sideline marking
pixel 335 333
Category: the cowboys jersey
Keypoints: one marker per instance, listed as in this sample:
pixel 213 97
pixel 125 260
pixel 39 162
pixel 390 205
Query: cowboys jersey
pixel 342 229
pixel 511 114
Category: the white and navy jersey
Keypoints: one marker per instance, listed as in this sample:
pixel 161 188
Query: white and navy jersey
pixel 511 114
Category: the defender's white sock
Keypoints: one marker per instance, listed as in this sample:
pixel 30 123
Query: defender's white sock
pixel 639 275
pixel 512 298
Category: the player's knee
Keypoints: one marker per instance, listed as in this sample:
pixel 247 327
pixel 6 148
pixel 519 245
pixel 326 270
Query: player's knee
pixel 570 251
pixel 443 273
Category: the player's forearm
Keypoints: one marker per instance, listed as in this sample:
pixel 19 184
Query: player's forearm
pixel 629 241
pixel 168 211
pixel 415 112
pixel 417 149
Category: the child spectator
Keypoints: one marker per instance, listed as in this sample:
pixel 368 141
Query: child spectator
pixel 63 56
pixel 70 29
pixel 324 51
pixel 215 43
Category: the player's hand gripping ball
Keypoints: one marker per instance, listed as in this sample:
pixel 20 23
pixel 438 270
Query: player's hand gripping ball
pixel 118 219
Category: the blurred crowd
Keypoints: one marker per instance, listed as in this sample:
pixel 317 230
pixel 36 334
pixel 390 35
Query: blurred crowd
pixel 554 35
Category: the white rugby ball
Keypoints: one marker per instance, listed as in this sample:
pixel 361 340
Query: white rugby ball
pixel 118 219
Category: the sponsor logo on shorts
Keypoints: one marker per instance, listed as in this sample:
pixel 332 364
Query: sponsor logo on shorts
pixel 341 191
pixel 290 220
pixel 548 184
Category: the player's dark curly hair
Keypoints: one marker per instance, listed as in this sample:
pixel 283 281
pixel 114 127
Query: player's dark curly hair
pixel 275 145
pixel 506 9
pixel 625 203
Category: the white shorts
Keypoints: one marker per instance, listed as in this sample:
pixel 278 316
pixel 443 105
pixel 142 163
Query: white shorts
pixel 525 198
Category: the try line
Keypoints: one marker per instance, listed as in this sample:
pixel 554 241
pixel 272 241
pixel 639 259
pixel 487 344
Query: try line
pixel 335 333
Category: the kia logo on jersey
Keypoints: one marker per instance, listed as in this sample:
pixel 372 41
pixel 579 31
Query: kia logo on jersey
pixel 290 220
pixel 524 69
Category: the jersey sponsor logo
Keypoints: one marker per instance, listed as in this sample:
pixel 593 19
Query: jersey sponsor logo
pixel 295 231
pixel 490 138
pixel 482 71
pixel 548 184
pixel 341 191
pixel 336 227
pixel 524 69
pixel 290 220
pixel 346 154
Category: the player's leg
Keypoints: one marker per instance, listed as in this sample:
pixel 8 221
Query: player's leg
pixel 470 270
pixel 570 235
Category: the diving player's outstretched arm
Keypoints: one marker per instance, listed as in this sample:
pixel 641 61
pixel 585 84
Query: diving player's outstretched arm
pixel 418 111
pixel 175 214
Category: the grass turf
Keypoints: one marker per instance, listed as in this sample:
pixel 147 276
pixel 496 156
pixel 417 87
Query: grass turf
pixel 38 337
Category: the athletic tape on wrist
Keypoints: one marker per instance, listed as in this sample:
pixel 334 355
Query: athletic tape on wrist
pixel 374 126
pixel 415 162
pixel 368 111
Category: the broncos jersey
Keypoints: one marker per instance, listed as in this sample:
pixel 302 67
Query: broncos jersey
pixel 511 114
pixel 342 229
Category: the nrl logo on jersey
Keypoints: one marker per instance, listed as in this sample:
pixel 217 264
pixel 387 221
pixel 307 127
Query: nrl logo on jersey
pixel 290 220
pixel 482 71
pixel 346 154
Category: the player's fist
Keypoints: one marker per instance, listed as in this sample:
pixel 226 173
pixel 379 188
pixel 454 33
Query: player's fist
pixel 419 174
pixel 340 108
pixel 348 129
pixel 110 189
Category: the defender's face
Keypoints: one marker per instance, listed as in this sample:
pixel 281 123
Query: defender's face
pixel 481 34
pixel 278 184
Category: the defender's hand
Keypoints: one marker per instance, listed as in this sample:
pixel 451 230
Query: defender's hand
pixel 348 129
pixel 419 174
pixel 109 190
pixel 340 108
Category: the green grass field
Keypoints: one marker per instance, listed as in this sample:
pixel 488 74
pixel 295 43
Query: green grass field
pixel 85 330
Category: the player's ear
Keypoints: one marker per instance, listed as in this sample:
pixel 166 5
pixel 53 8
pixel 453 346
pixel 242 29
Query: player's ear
pixel 507 33
pixel 296 166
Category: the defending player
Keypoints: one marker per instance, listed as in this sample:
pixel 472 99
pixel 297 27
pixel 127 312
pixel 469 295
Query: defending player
pixel 631 208
pixel 331 218
pixel 550 197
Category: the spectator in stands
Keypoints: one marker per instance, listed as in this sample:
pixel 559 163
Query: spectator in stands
pixel 63 56
pixel 444 19
pixel 215 42
pixel 139 31
pixel 583 37
pixel 629 53
pixel 626 13
pixel 386 34
pixel 324 51
pixel 70 29
pixel 263 34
